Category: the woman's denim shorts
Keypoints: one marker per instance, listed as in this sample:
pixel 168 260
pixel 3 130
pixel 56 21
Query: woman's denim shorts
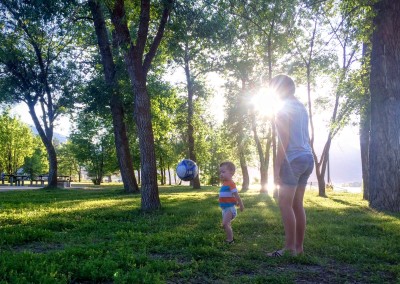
pixel 297 171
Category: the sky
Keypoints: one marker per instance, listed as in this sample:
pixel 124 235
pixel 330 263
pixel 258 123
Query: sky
pixel 62 127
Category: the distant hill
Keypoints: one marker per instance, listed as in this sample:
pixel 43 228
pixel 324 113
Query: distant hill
pixel 57 136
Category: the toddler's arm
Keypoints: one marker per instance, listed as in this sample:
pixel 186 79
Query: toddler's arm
pixel 239 201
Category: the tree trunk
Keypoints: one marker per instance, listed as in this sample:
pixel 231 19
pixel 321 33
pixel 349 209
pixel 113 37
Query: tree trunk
pixel 53 165
pixel 137 65
pixel 122 147
pixel 263 168
pixel 117 110
pixel 274 150
pixel 322 167
pixel 365 125
pixel 47 139
pixel 364 144
pixel 162 171
pixel 149 186
pixel 384 147
pixel 245 171
pixel 267 154
pixel 242 157
pixel 190 90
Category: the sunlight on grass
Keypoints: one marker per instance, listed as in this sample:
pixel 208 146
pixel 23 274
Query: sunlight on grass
pixel 100 235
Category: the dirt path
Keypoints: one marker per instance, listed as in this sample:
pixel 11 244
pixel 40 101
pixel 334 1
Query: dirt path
pixel 13 188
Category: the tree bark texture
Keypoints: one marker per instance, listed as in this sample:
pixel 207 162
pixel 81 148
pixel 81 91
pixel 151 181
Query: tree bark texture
pixel 117 110
pixel 365 126
pixel 242 158
pixel 137 68
pixel 384 147
pixel 47 139
pixel 149 186
pixel 364 144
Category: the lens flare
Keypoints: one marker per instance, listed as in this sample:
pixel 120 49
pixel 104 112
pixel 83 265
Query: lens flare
pixel 265 102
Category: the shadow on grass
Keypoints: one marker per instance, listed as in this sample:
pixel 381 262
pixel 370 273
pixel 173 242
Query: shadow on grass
pixel 102 236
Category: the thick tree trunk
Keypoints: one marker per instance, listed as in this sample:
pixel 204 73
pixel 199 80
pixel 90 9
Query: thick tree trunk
pixel 122 146
pixel 117 110
pixel 149 186
pixel 53 165
pixel 384 147
pixel 137 68
pixel 47 139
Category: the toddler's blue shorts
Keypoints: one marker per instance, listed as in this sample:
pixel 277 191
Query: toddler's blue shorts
pixel 229 209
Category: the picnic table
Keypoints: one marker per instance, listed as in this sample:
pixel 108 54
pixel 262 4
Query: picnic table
pixel 18 180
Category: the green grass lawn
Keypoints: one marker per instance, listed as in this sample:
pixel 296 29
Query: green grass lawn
pixel 100 236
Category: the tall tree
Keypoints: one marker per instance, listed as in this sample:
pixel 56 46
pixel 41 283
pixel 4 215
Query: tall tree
pixel 16 143
pixel 198 29
pixel 37 163
pixel 164 108
pixel 138 65
pixel 67 163
pixel 363 22
pixel 93 145
pixel 236 117
pixel 38 63
pixel 116 104
pixel 320 64
pixel 384 148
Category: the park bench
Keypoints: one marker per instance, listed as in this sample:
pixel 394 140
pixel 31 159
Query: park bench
pixel 64 181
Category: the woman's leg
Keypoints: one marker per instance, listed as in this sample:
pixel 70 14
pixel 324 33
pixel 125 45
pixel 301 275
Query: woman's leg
pixel 286 196
pixel 300 216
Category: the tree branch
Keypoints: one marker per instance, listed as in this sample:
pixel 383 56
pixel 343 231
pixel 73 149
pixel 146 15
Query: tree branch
pixel 143 29
pixel 157 40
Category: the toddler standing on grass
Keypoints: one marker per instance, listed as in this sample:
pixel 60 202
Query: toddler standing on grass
pixel 228 198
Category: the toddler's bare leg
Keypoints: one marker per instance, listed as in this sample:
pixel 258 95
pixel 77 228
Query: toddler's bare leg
pixel 226 223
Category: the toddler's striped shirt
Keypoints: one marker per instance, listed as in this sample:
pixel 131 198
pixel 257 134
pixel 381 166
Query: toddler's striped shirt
pixel 226 198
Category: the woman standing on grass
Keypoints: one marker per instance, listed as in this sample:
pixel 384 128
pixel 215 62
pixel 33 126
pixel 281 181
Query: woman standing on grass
pixel 294 163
